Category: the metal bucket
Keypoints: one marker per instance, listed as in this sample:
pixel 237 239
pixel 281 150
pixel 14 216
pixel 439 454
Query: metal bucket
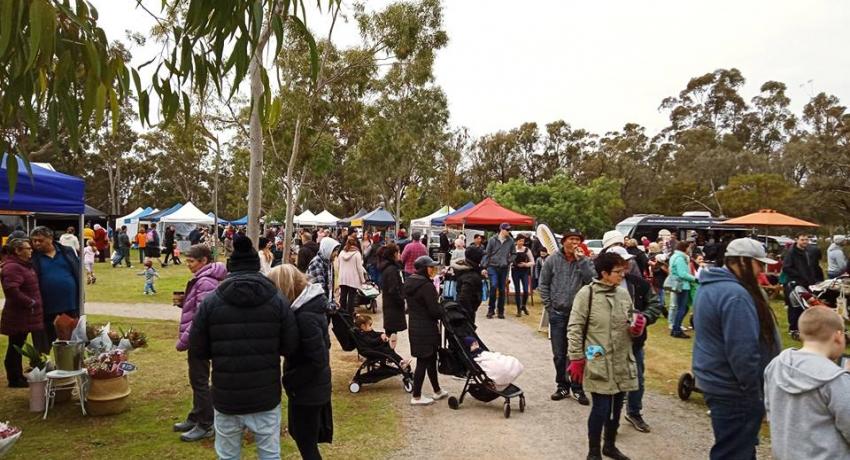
pixel 68 356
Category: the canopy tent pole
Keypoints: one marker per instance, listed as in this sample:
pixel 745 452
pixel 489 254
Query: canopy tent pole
pixel 82 267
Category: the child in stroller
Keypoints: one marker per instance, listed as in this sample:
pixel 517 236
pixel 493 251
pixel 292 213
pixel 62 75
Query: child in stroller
pixel 378 364
pixel 501 369
pixel 377 341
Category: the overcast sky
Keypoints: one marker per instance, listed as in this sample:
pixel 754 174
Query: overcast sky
pixel 600 64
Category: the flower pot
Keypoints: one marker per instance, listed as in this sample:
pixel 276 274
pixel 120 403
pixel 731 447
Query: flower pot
pixel 68 355
pixel 108 396
pixel 37 396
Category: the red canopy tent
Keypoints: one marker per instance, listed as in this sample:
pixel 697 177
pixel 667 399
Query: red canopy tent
pixel 488 213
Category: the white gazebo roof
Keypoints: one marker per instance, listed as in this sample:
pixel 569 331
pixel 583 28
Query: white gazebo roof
pixel 325 218
pixel 425 222
pixel 188 214
pixel 305 218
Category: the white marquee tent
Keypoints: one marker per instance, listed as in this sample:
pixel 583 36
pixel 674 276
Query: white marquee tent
pixel 306 218
pixel 425 222
pixel 120 221
pixel 188 214
pixel 325 219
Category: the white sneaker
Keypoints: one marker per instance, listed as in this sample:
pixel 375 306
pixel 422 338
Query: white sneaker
pixel 423 401
pixel 438 396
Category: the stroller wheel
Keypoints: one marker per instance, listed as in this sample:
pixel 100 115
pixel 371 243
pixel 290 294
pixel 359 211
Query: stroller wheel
pixel 354 387
pixel 522 403
pixel 686 386
pixel 373 305
pixel 507 409
pixel 454 403
pixel 407 384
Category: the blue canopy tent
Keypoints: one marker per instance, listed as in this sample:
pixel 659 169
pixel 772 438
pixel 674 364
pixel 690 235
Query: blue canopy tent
pixel 348 220
pixel 440 221
pixel 211 215
pixel 44 192
pixel 240 221
pixel 156 216
pixel 380 217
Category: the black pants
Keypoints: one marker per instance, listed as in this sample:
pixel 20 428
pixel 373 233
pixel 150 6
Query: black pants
pixel 199 377
pixel 101 254
pixel 49 329
pixel 793 312
pixel 348 298
pixel 169 252
pixel 605 412
pixel 304 422
pixel 428 364
pixel 141 255
pixel 13 361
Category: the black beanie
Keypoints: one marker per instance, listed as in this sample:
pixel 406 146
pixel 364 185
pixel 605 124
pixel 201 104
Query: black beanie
pixel 473 254
pixel 244 257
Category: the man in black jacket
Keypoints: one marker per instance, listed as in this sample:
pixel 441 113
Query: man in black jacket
pixel 309 249
pixel 244 327
pixel 801 268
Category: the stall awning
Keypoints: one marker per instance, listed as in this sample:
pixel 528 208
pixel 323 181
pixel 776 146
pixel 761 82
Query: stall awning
pixel 489 213
pixel 45 191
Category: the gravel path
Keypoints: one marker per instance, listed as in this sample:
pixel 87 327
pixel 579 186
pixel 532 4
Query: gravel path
pixel 547 429
pixel 134 310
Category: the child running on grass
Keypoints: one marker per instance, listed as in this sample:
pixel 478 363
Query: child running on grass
pixel 89 253
pixel 149 275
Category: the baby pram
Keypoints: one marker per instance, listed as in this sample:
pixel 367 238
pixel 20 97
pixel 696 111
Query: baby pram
pixel 457 360
pixel 831 293
pixel 368 295
pixel 377 365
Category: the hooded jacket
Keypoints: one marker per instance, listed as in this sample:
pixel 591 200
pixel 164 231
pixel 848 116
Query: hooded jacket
pixel 424 311
pixel 728 357
pixel 351 272
pixel 469 286
pixel 836 260
pixel 319 269
pixel 307 375
pixel 392 296
pixel 560 280
pixel 244 327
pixel 807 406
pixel 198 288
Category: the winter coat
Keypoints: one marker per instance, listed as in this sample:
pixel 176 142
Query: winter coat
pixel 424 311
pixel 561 279
pixel 469 282
pixel 123 240
pixel 807 406
pixel 307 375
pixel 101 240
pixel 799 267
pixel 74 264
pixel 680 268
pixel 351 272
pixel 641 259
pixel 728 356
pixel 499 254
pixel 306 253
pixel 370 255
pixel 412 251
pixel 22 311
pixel 645 301
pixel 319 270
pixel 203 282
pixel 392 297
pixel 244 327
pixel 608 326
pixel 836 260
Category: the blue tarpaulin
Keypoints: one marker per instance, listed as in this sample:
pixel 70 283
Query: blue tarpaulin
pixel 440 221
pixel 148 211
pixel 220 220
pixel 45 191
pixel 242 221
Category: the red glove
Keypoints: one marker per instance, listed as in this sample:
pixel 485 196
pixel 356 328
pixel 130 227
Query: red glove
pixel 576 370
pixel 637 328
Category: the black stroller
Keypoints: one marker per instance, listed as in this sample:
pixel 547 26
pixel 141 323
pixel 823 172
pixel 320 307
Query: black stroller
pixel 377 365
pixel 455 359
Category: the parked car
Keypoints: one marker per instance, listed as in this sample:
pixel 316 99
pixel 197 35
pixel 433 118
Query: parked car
pixel 595 246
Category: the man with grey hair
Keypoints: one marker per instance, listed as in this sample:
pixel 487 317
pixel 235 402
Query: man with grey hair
pixel 58 270
pixel 836 260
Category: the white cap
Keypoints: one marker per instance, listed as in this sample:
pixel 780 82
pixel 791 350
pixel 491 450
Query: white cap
pixel 748 247
pixel 611 238
pixel 622 252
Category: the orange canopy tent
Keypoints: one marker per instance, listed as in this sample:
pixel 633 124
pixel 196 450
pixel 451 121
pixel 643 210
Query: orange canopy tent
pixel 769 218
pixel 488 213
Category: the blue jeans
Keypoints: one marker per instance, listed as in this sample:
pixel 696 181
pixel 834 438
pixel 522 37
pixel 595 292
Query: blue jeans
pixel 682 299
pixel 498 281
pixel 636 397
pixel 519 276
pixel 149 289
pixel 736 422
pixel 374 274
pixel 558 330
pixel 264 425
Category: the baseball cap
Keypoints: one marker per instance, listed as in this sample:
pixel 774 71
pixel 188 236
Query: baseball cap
pixel 748 247
pixel 572 232
pixel 621 251
pixel 505 226
pixel 424 261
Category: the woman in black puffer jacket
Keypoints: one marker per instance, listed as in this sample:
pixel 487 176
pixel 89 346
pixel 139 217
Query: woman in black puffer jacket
pixel 469 281
pixel 391 290
pixel 424 310
pixel 307 375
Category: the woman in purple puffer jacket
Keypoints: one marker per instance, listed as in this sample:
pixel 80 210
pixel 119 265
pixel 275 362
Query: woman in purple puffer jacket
pixel 206 277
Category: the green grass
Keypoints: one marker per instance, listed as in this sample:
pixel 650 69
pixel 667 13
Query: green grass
pixel 367 425
pixel 123 285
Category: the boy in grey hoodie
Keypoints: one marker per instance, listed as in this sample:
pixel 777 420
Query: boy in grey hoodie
pixel 806 393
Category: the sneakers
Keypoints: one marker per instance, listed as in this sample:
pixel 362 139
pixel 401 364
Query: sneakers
pixel 489 316
pixel 183 427
pixel 438 396
pixel 422 401
pixel 611 451
pixel 581 398
pixel 638 422
pixel 196 434
pixel 502 316
pixel 560 393
pixel 679 335
pixel 525 311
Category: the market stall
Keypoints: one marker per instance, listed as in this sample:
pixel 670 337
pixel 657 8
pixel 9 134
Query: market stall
pixel 184 221
pixel 348 220
pixel 488 214
pixel 325 219
pixel 305 219
pixel 379 217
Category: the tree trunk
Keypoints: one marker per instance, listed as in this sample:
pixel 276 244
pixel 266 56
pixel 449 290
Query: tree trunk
pixel 290 195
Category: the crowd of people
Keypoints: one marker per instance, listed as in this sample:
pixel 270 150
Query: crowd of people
pixel 240 318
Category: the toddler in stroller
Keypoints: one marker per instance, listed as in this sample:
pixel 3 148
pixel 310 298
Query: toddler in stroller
pixel 379 363
pixel 377 341
pixel 501 369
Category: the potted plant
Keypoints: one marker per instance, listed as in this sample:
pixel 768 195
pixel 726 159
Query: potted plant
pixel 36 375
pixel 109 387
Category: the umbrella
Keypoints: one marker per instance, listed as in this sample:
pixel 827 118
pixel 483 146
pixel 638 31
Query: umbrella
pixel 769 218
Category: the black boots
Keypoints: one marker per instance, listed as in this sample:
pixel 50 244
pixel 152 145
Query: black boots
pixel 609 448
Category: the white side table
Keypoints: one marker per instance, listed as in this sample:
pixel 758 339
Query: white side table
pixel 53 384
